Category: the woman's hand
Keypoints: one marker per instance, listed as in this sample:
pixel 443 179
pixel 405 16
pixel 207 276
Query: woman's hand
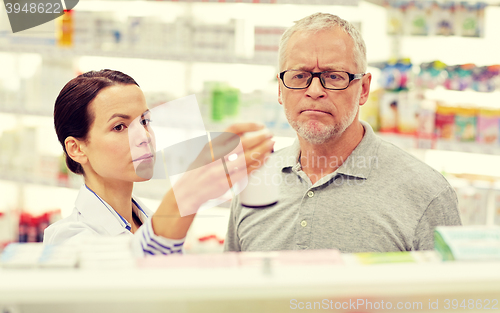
pixel 225 160
pixel 256 148
pixel 229 161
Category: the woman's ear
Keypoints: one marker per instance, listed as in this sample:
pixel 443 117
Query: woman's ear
pixel 76 150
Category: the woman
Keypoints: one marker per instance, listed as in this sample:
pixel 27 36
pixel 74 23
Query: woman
pixel 94 116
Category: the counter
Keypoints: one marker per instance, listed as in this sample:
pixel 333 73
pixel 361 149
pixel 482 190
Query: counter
pixel 258 288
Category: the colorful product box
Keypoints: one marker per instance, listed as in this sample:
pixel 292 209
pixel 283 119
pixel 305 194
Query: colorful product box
pixel 472 243
pixel 370 258
pixel 267 40
pixel 418 17
pixel 496 214
pixel 488 126
pixel 369 112
pixel 385 257
pixel 465 124
pixel 389 111
pixel 408 112
pixel 470 19
pixel 395 18
pixel 426 118
pixel 445 122
pixel 445 23
pixel 472 204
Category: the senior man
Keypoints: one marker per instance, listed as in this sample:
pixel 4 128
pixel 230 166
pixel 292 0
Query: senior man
pixel 341 186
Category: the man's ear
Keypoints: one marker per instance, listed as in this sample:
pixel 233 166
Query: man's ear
pixel 76 149
pixel 280 100
pixel 365 88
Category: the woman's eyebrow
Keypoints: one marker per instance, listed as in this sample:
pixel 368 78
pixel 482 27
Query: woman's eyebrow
pixel 119 115
pixel 125 116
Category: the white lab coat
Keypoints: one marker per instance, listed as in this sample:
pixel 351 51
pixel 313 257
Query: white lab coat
pixel 93 216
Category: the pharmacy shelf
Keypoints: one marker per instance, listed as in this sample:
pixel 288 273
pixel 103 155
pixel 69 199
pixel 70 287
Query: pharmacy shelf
pixel 73 182
pixel 471 147
pixel 412 142
pixel 56 52
pixel 306 2
pixel 219 287
pixel 153 190
pixel 23 111
pixel 36 180
pixel 383 3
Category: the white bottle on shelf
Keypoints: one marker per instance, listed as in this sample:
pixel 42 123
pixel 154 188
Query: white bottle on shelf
pixel 7 226
pixel 84 30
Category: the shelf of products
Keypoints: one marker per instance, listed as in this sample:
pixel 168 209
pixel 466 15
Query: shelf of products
pixel 299 2
pixel 57 52
pixel 188 38
pixel 438 107
pixel 262 286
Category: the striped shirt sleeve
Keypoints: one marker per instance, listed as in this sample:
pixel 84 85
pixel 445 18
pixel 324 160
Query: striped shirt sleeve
pixel 147 243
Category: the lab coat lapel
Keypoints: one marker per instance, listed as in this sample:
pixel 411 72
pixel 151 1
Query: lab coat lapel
pixel 98 214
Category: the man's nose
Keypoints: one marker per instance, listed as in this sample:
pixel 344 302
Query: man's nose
pixel 316 90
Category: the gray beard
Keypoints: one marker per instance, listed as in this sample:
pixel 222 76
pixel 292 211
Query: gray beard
pixel 319 136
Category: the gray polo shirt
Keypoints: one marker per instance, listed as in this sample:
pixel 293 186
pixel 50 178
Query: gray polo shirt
pixel 380 199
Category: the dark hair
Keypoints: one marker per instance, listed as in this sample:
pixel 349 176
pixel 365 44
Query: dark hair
pixel 71 114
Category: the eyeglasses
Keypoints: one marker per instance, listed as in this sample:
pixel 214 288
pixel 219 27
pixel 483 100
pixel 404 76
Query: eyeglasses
pixel 332 80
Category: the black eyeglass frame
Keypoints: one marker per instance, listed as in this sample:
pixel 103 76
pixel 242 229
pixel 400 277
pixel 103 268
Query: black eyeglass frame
pixel 318 74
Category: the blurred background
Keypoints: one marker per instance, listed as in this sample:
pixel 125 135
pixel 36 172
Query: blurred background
pixel 435 90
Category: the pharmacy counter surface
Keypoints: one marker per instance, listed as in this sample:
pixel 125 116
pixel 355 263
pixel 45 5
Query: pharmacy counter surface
pixel 264 287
